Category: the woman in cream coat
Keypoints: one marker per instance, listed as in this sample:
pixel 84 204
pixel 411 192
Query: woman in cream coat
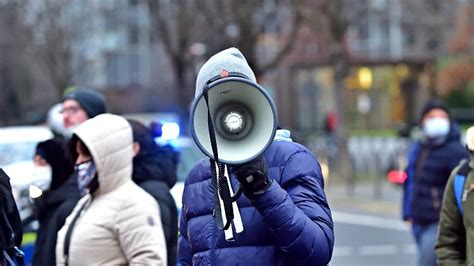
pixel 115 222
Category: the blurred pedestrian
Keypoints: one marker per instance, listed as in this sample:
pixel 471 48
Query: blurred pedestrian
pixel 330 123
pixel 81 104
pixel 155 172
pixel 56 198
pixel 456 226
pixel 115 222
pixel 283 208
pixel 11 231
pixel 430 162
pixel 58 201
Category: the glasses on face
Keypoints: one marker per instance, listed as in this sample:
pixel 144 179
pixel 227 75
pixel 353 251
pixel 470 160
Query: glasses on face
pixel 70 110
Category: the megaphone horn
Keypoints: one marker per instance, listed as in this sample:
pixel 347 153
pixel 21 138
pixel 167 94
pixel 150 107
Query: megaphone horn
pixel 243 115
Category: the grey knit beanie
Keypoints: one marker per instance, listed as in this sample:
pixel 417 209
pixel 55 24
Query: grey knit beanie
pixel 92 101
pixel 230 60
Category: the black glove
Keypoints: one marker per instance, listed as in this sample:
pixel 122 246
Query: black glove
pixel 253 176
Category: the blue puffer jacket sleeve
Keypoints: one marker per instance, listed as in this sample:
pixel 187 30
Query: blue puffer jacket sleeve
pixel 184 249
pixel 297 212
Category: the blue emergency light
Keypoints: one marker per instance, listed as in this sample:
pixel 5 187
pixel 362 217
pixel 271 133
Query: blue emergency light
pixel 165 132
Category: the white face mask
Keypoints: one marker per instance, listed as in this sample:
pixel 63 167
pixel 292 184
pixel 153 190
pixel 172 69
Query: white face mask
pixel 436 127
pixel 42 177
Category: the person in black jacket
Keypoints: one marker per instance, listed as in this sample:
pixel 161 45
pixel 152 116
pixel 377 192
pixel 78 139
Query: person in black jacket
pixel 57 201
pixel 155 172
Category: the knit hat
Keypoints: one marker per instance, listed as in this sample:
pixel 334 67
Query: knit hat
pixel 230 60
pixel 434 104
pixel 93 102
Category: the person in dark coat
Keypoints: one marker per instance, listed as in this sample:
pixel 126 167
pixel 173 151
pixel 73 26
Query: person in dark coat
pixel 11 231
pixel 430 162
pixel 56 201
pixel 155 172
pixel 283 208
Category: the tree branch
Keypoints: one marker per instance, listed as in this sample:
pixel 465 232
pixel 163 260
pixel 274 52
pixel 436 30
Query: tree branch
pixel 284 50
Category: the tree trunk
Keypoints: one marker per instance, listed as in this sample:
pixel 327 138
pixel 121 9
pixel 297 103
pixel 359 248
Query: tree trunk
pixel 183 93
pixel 343 164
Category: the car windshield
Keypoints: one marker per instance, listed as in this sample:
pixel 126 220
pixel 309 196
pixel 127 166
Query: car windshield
pixel 16 152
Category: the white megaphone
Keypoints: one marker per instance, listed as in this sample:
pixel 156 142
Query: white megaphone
pixel 244 118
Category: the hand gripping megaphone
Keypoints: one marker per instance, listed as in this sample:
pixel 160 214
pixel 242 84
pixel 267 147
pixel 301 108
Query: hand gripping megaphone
pixel 243 115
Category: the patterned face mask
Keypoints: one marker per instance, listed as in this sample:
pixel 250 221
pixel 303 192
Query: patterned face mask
pixel 86 172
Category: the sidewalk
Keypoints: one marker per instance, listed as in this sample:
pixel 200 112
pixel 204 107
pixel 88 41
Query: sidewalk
pixel 364 198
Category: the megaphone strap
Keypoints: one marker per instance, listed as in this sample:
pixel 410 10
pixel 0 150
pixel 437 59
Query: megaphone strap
pixel 224 193
pixel 210 124
pixel 224 199
pixel 220 213
pixel 221 184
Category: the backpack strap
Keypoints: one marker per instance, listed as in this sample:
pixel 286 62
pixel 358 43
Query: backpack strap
pixel 459 182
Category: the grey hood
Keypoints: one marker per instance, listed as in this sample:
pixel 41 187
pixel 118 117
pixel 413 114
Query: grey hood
pixel 231 60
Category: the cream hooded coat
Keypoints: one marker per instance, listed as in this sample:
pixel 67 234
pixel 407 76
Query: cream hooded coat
pixel 121 223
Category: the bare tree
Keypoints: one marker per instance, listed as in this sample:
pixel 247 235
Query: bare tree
pixel 332 19
pixel 459 74
pixel 220 24
pixel 423 27
pixel 51 37
pixel 14 87
pixel 36 60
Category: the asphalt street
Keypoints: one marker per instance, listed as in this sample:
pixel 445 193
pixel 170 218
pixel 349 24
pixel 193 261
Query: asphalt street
pixel 369 229
pixel 371 240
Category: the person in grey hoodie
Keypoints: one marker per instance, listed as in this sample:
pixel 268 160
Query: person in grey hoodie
pixel 283 208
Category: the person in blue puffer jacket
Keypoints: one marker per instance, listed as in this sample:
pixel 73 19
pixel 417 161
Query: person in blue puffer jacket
pixel 430 162
pixel 284 208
